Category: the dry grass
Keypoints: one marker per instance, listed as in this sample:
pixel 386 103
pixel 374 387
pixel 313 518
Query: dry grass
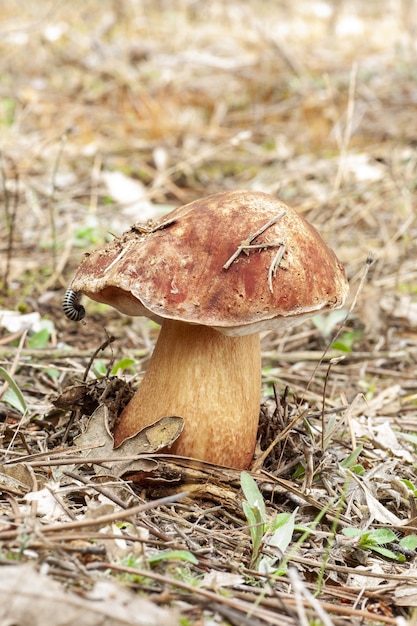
pixel 316 104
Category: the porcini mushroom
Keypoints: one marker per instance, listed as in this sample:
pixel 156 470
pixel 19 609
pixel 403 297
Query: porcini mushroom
pixel 213 273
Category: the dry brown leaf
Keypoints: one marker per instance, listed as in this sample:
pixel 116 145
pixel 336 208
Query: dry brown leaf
pixel 219 580
pixel 376 510
pixel 98 438
pixel 387 438
pixel 29 598
pixel 15 479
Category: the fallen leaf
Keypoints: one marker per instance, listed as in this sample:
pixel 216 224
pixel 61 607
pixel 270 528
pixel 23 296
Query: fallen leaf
pixel 388 440
pixel 163 433
pixel 15 479
pixel 217 580
pixel 357 581
pixel 377 511
pixel 98 438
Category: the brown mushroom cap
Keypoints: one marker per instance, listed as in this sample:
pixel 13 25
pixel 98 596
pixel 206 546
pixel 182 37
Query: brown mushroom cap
pixel 177 271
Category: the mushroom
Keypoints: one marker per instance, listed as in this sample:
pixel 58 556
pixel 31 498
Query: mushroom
pixel 213 273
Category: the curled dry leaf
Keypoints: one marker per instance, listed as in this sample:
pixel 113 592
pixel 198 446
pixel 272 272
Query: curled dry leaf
pixel 29 598
pixel 98 439
pixel 376 510
pixel 15 479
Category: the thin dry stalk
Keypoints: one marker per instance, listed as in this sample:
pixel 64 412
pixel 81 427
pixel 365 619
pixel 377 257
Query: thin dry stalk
pixel 247 244
pixel 11 203
pixel 348 128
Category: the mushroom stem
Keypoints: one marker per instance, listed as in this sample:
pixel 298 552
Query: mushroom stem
pixel 212 381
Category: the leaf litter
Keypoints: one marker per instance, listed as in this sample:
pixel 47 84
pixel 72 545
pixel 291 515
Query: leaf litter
pixel 97 441
pixel 106 604
pixel 152 106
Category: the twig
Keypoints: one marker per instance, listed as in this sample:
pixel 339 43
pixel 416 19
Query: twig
pixel 334 361
pixel 10 208
pixel 275 264
pixel 79 460
pixel 301 591
pixel 294 356
pixel 330 512
pixel 348 128
pixel 200 156
pixel 103 520
pixel 99 488
pixel 271 611
pixel 368 263
pixel 256 611
pixel 5 387
pixel 16 359
pixel 153 228
pixel 103 346
pixel 117 259
pixel 365 573
pixel 48 454
pixel 142 229
pixel 246 244
pixel 62 260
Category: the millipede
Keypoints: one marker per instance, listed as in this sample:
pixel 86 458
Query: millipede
pixel 71 305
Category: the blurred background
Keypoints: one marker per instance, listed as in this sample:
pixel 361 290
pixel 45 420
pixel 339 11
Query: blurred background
pixel 115 111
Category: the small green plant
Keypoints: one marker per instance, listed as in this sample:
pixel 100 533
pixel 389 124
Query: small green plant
pixel 188 576
pixel 299 471
pixel 124 365
pixel 182 571
pixel 272 537
pixel 7 108
pixel 13 396
pixel 410 486
pixel 41 337
pixel 86 235
pixel 100 367
pixel 369 388
pixel 132 560
pixel 350 462
pixel 52 372
pixel 135 561
pixel 327 324
pixel 346 341
pixel 170 555
pixel 375 540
